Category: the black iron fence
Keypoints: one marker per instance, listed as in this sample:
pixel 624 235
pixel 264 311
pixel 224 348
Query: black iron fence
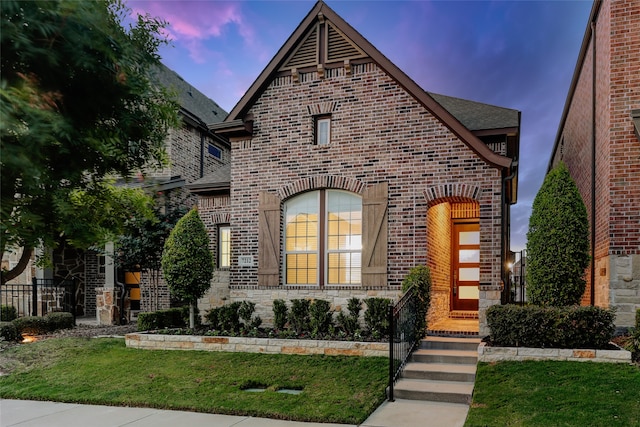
pixel 40 297
pixel 404 335
pixel 517 283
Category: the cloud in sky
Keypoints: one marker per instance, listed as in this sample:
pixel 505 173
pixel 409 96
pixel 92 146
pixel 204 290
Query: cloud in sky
pixel 192 24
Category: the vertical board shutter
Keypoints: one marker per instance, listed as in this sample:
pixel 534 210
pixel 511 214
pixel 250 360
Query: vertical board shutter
pixel 374 231
pixel 269 240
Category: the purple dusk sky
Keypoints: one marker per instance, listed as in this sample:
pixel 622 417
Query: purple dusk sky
pixel 515 54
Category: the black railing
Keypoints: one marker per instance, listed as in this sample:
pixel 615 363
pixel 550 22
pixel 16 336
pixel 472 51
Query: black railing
pixel 517 283
pixel 404 335
pixel 40 297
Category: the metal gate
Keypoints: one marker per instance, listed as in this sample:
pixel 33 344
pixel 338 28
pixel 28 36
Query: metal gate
pixel 40 297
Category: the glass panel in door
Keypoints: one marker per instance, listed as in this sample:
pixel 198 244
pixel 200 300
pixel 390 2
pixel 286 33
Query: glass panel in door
pixel 466 266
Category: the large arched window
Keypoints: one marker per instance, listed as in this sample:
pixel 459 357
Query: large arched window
pixel 323 238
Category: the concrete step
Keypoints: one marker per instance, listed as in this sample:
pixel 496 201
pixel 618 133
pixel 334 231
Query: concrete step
pixel 464 357
pixel 440 372
pixel 436 391
pixel 447 343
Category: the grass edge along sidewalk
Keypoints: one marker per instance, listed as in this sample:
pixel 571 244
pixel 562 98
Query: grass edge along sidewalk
pixel 103 371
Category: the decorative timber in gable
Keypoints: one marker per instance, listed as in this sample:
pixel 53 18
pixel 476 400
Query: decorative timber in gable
pixel 323 44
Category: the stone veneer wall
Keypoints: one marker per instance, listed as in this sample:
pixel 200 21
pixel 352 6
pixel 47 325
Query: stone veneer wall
pixel 256 345
pixel 499 354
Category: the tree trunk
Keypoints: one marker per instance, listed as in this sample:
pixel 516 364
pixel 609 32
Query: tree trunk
pixel 192 315
pixel 19 268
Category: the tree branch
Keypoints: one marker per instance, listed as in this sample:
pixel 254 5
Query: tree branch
pixel 19 268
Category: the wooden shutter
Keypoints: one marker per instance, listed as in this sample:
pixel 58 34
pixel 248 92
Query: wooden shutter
pixel 374 235
pixel 269 240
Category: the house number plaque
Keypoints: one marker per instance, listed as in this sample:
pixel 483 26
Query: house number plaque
pixel 245 260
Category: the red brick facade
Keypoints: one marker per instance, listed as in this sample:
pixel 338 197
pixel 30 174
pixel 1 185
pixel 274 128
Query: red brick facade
pixel 384 131
pixel 613 36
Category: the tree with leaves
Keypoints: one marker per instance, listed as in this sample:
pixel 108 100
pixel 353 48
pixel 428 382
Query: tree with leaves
pixel 78 103
pixel 557 242
pixel 187 262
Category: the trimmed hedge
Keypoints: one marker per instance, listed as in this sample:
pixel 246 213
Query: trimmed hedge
pixel 38 325
pixel 8 331
pixel 8 313
pixel 162 319
pixel 550 327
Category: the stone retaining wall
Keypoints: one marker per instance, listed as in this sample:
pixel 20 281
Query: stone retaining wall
pixel 255 345
pixel 499 354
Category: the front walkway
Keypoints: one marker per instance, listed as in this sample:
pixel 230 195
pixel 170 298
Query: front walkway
pixel 29 413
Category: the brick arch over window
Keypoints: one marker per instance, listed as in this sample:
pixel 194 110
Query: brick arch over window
pixel 220 218
pixel 451 193
pixel 318 182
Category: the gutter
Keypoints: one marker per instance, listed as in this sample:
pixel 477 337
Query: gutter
pixel 593 163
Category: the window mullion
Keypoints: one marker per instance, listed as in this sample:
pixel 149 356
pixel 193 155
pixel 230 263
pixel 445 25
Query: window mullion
pixel 322 239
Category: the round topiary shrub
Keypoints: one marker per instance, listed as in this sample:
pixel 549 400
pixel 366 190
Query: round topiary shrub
pixel 557 242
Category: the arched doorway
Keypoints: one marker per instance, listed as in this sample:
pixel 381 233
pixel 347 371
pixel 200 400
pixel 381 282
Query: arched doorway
pixel 453 255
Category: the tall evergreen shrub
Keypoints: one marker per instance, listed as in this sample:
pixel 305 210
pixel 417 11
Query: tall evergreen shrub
pixel 557 242
pixel 187 262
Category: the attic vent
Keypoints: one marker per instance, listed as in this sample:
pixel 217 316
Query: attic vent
pixel 307 52
pixel 339 47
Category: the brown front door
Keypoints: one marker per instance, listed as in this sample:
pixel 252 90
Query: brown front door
pixel 466 266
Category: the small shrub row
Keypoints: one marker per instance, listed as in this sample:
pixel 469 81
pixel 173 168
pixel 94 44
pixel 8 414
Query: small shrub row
pixel 8 313
pixel 234 317
pixel 551 327
pixel 304 318
pixel 162 319
pixel 35 325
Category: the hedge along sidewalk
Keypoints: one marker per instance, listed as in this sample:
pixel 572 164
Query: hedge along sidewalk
pixel 153 341
pixel 499 354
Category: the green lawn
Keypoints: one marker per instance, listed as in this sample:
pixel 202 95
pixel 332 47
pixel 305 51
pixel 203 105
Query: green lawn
pixel 556 394
pixel 334 389
pixel 103 371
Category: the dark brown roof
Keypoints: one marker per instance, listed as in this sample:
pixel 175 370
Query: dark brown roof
pixel 215 181
pixel 477 115
pixel 194 104
pixel 362 45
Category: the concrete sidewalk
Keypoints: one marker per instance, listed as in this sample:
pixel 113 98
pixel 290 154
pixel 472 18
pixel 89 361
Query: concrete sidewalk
pixel 28 413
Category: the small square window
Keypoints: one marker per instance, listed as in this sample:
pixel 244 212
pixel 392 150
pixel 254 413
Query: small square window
pixel 323 130
pixel 215 151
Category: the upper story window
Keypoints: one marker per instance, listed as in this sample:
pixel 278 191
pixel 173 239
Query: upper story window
pixel 323 130
pixel 323 238
pixel 215 151
pixel 224 246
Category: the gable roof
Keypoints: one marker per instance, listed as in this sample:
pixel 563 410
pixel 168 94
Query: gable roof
pixel 352 44
pixel 193 103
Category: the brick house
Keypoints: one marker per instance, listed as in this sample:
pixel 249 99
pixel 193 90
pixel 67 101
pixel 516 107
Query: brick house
pixel 599 140
pixel 345 174
pixel 193 151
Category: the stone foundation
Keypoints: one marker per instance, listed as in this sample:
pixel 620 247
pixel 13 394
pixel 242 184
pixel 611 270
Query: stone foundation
pixel 256 345
pixel 499 354
pixel 624 287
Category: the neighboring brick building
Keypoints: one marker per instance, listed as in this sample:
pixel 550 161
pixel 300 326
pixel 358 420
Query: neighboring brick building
pixel 345 174
pixel 598 138
pixel 193 151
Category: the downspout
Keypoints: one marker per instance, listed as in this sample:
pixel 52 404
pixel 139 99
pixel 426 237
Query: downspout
pixel 201 154
pixel 514 165
pixel 593 163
